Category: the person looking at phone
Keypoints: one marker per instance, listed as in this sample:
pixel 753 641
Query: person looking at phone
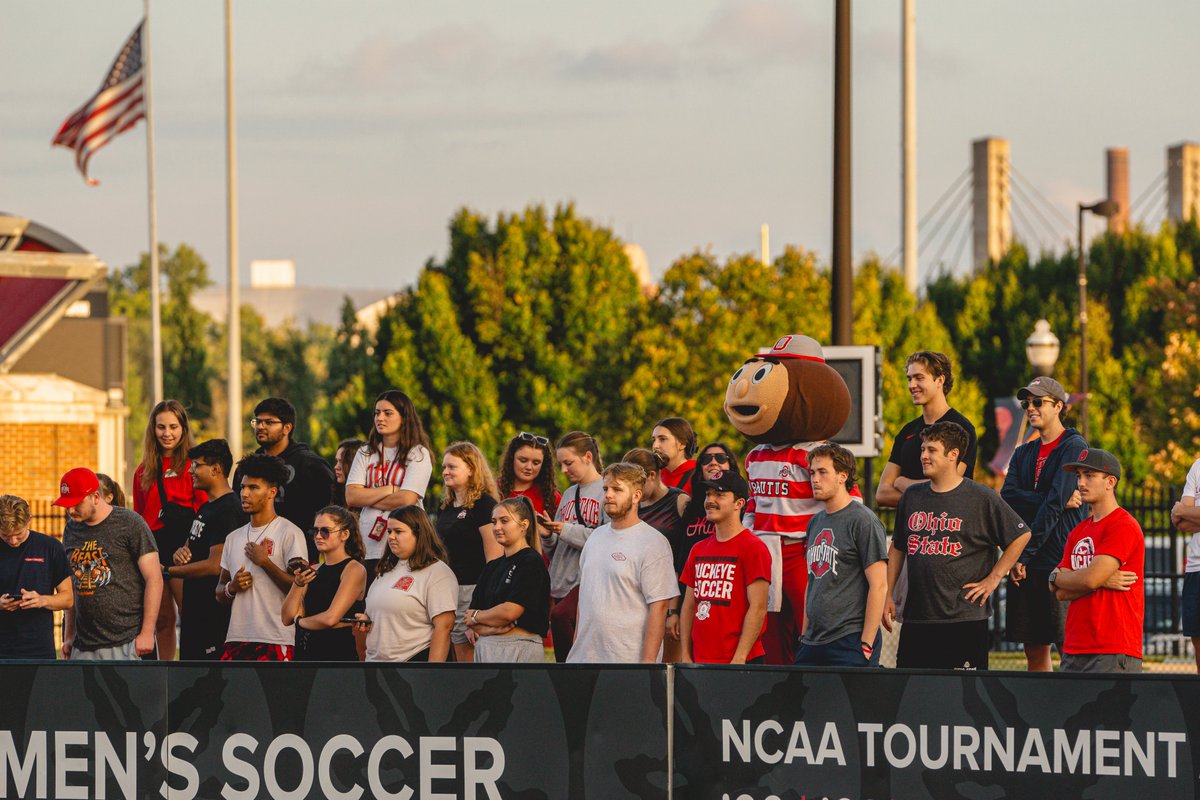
pixel 254 579
pixel 510 608
pixel 412 601
pixel 322 595
pixel 35 581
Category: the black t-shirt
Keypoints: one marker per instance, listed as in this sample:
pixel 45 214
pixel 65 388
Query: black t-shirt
pixel 459 529
pixel 38 564
pixel 906 449
pixel 521 579
pixel 204 621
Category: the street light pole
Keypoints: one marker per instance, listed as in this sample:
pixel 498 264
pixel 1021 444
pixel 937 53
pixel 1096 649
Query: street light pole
pixel 1104 208
pixel 843 280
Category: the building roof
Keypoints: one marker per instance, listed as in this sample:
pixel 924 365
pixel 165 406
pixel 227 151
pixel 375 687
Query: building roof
pixel 42 273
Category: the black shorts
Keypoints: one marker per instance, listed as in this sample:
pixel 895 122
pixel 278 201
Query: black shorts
pixel 1191 604
pixel 943 645
pixel 1032 614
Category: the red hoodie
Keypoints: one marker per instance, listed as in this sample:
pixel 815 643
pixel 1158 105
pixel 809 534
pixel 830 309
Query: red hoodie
pixel 179 490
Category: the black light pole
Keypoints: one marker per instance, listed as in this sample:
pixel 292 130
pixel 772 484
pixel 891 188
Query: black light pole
pixel 843 283
pixel 1103 208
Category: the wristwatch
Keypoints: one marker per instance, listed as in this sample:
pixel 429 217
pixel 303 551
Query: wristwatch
pixel 166 572
pixel 1053 577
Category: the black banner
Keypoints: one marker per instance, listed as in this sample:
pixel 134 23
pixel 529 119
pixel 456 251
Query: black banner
pixel 336 731
pixel 787 734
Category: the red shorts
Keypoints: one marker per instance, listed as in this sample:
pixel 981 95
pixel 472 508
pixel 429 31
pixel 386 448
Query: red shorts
pixel 256 651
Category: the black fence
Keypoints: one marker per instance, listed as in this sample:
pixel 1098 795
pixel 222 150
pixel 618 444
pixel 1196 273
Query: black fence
pixel 1165 551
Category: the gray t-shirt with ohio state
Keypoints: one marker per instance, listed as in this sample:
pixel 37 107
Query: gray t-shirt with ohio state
pixel 841 546
pixel 949 539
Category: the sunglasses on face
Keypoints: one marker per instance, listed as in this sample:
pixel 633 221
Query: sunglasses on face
pixel 325 532
pixel 708 458
pixel 1036 402
pixel 541 441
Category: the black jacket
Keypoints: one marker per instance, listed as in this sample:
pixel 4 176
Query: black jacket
pixel 1042 506
pixel 308 490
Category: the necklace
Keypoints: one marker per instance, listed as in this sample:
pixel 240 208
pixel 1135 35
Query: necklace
pixel 261 531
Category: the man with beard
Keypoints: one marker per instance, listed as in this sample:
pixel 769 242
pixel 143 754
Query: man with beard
pixel 1101 574
pixel 847 569
pixel 626 580
pixel 1044 493
pixel 310 480
pixel 117 575
pixel 727 576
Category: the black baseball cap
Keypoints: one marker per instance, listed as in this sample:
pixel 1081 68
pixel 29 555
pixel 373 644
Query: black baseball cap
pixel 1097 460
pixel 730 481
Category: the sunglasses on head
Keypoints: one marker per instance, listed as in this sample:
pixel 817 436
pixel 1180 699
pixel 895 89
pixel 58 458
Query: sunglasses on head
pixel 1036 402
pixel 541 441
pixel 708 458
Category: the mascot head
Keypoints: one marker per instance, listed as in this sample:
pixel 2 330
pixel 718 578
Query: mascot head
pixel 788 394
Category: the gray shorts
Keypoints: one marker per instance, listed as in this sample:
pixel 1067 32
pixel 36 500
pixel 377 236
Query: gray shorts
pixel 1101 662
pixel 120 652
pixel 512 648
pixel 458 634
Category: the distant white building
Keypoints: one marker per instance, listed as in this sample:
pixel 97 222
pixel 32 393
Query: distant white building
pixel 273 293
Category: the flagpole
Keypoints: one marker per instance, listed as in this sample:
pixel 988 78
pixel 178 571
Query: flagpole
pixel 156 355
pixel 233 314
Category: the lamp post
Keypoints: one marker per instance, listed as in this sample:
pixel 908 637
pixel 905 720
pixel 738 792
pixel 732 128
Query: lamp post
pixel 1041 348
pixel 1103 208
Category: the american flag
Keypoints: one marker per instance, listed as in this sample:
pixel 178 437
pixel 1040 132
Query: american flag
pixel 116 108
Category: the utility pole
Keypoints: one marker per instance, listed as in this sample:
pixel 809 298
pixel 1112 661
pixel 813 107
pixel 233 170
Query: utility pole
pixel 909 146
pixel 843 283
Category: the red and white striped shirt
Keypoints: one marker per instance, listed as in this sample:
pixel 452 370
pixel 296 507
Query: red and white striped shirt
pixel 781 497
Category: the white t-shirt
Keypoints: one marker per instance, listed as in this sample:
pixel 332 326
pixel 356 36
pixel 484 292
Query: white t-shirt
pixel 402 604
pixel 368 471
pixel 1191 488
pixel 256 613
pixel 620 573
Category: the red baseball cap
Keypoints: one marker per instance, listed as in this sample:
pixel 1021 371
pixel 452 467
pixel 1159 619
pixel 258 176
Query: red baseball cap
pixel 76 485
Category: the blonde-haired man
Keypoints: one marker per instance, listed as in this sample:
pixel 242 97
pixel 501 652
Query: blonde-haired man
pixel 35 581
pixel 626 580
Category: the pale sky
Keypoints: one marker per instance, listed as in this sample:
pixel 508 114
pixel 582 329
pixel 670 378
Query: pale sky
pixel 363 126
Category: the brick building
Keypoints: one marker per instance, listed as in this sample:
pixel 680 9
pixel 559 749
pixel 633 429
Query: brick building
pixel 62 363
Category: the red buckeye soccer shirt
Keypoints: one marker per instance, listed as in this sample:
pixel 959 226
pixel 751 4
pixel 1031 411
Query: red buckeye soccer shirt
pixel 1106 620
pixel 719 573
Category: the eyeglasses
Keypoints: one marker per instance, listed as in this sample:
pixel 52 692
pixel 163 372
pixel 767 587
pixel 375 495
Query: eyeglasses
pixel 1036 402
pixel 708 458
pixel 325 532
pixel 264 423
pixel 541 441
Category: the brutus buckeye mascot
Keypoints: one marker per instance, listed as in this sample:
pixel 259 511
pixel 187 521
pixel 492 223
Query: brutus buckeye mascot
pixel 787 400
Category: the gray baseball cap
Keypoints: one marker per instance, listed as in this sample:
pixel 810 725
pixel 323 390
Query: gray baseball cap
pixel 1043 387
pixel 1097 460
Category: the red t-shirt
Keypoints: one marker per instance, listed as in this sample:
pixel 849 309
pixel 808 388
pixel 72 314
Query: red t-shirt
pixel 719 573
pixel 1044 451
pixel 681 477
pixel 1106 620
pixel 178 484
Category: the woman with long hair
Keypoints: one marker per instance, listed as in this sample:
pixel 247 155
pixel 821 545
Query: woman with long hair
pixel 674 440
pixel 510 609
pixel 662 508
pixel 464 524
pixel 163 494
pixel 713 461
pixel 322 595
pixel 580 511
pixel 390 471
pixel 343 459
pixel 527 469
pixel 411 604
